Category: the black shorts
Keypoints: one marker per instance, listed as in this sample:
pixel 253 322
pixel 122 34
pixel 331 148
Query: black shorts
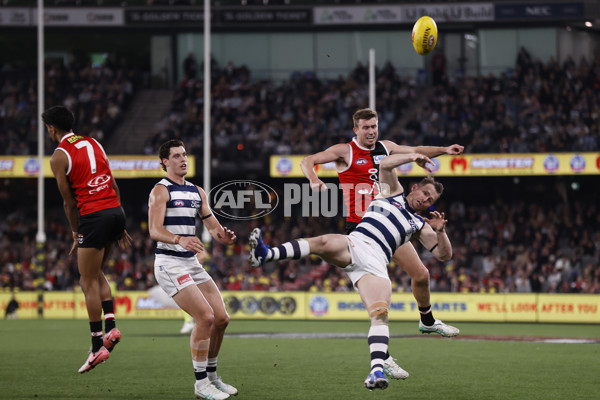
pixel 350 226
pixel 101 228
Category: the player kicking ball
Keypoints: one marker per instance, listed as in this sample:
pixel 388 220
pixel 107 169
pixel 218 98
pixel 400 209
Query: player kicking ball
pixel 390 221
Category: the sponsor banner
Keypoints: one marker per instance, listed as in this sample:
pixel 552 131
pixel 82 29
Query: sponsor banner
pixel 13 16
pixel 122 167
pixel 539 11
pixel 28 304
pixel 165 16
pixel 510 307
pixel 392 14
pixel 568 308
pixel 265 15
pixel 220 17
pixel 265 305
pixel 97 16
pixel 348 306
pixel 467 165
pixel 501 307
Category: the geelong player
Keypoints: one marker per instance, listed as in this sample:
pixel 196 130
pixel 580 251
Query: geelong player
pixel 91 202
pixel 357 165
pixel 390 221
pixel 173 206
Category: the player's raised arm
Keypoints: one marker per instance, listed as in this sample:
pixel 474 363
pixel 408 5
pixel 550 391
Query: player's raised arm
pixel 388 178
pixel 429 151
pixel 337 153
pixel 220 233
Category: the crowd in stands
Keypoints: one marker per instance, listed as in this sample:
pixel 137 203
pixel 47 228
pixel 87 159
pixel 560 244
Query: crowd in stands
pixel 252 119
pixel 98 95
pixel 509 245
pixel 506 246
pixel 536 107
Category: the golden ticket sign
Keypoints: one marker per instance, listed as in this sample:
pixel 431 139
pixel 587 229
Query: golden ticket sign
pixel 522 164
pixel 127 166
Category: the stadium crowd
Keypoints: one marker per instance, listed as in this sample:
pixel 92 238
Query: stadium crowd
pixel 98 95
pixel 536 107
pixel 501 247
pixel 257 118
pixel 510 245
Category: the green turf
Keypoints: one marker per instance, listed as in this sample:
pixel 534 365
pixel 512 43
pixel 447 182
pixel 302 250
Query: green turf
pixel 39 360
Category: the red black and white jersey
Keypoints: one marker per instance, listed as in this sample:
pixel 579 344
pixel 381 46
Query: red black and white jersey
pixel 360 179
pixel 89 173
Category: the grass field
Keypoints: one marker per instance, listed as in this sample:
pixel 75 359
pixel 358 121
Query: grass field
pixel 39 360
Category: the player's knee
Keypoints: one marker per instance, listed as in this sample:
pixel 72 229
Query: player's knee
pixel 221 321
pixel 378 313
pixel 319 244
pixel 205 319
pixel 421 278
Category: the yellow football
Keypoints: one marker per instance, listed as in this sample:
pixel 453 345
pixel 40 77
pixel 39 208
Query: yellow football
pixel 424 35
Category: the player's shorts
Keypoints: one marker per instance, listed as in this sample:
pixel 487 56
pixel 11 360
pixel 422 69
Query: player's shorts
pixel 101 228
pixel 173 278
pixel 367 258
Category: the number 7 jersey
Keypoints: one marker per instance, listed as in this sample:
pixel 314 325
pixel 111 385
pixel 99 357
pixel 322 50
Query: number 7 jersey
pixel 89 174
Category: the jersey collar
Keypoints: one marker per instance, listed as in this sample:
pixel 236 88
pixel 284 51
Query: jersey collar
pixel 362 147
pixel 68 135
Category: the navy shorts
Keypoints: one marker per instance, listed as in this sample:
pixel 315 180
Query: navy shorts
pixel 101 228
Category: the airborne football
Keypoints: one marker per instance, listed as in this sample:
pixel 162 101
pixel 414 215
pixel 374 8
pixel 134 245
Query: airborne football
pixel 424 35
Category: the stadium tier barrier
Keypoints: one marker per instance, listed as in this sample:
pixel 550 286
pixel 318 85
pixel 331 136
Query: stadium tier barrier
pixel 476 307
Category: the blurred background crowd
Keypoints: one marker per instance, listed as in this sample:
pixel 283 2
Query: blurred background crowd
pixel 508 239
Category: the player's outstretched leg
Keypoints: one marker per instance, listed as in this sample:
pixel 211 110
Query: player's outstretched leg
pixel 94 359
pixel 440 328
pixel 393 370
pixel 376 380
pixel 258 250
pixel 111 339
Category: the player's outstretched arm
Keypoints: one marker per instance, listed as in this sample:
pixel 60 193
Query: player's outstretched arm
pixel 429 151
pixel 217 231
pixel 388 178
pixel 338 153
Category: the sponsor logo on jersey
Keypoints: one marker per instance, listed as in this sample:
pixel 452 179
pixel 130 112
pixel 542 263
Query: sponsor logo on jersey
pixel 98 180
pixel 397 204
pixel 184 279
pixel 377 159
pixel 73 139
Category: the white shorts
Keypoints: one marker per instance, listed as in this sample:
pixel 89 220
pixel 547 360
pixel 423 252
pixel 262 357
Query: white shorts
pixel 173 278
pixel 367 258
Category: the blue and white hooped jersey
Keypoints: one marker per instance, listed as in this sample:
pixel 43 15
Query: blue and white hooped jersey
pixel 389 222
pixel 180 216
